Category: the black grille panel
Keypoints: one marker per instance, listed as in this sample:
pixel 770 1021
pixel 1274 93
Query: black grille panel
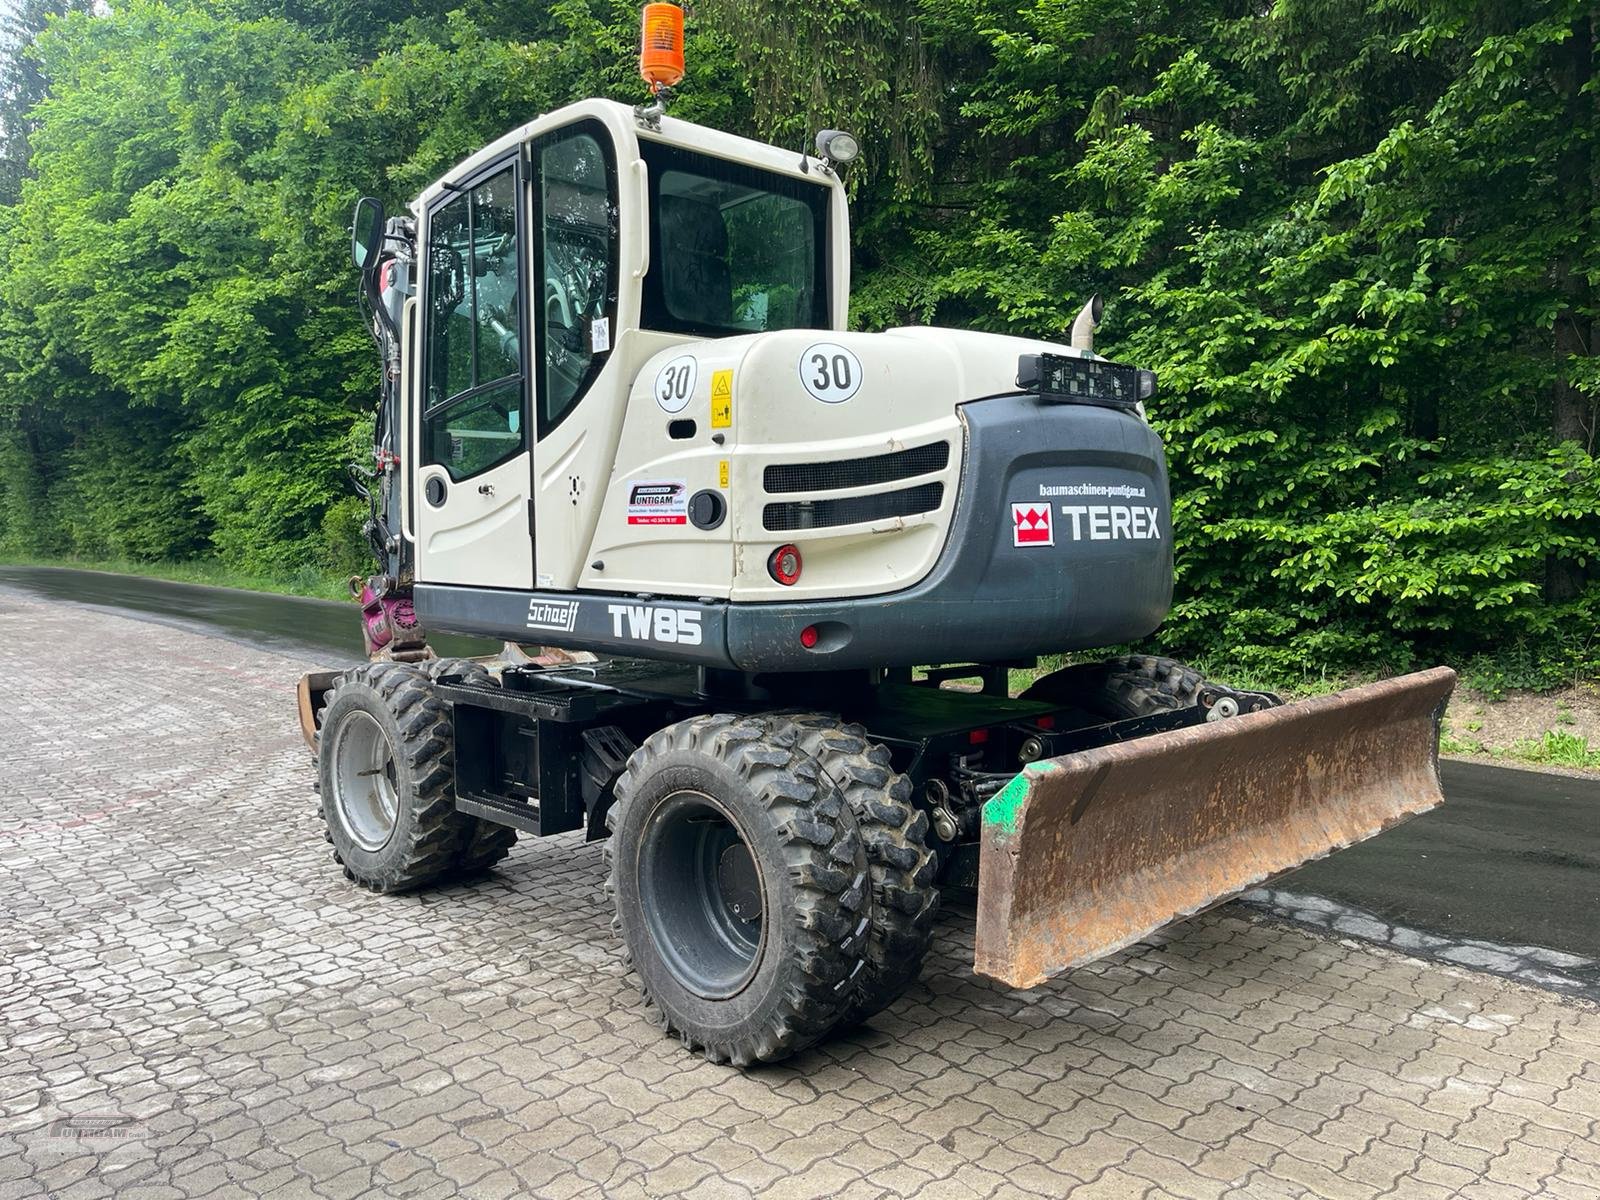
pixel 852 510
pixel 855 472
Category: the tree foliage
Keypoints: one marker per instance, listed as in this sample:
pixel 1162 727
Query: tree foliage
pixel 1355 237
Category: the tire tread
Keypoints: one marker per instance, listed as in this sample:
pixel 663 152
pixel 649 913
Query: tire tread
pixel 825 862
pixel 435 834
pixel 905 898
pixel 1129 685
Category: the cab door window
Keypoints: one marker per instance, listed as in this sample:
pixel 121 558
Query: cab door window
pixel 578 223
pixel 473 409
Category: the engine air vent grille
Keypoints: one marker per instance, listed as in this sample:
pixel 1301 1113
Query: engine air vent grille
pixel 852 510
pixel 856 472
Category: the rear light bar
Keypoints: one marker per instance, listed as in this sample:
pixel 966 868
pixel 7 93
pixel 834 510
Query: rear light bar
pixel 1084 380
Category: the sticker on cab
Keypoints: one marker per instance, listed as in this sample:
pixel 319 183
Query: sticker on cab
pixel 721 399
pixel 830 373
pixel 675 383
pixel 658 502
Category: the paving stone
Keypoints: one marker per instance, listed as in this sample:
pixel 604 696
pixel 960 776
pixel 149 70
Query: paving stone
pixel 181 959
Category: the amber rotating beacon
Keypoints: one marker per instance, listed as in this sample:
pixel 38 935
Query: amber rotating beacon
pixel 661 46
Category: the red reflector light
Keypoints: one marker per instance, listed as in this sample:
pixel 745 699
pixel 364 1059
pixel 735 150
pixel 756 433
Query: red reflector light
pixel 1046 722
pixel 808 636
pixel 978 737
pixel 784 565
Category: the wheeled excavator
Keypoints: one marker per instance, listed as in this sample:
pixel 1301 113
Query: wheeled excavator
pixel 792 568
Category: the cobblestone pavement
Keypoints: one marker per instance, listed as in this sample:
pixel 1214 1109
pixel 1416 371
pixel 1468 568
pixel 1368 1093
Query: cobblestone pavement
pixel 193 1002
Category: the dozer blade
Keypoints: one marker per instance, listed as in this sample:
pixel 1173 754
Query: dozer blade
pixel 1087 853
pixel 308 701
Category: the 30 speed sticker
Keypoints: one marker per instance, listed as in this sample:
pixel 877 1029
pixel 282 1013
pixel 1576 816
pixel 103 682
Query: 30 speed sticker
pixel 829 372
pixel 658 502
pixel 675 383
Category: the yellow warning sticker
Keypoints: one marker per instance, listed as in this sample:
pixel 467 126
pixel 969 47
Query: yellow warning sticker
pixel 722 473
pixel 721 400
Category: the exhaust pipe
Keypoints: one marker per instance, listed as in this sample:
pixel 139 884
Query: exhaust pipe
pixel 1087 321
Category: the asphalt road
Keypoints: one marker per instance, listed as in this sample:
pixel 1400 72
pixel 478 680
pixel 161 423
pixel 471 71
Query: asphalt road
pixel 1512 857
pixel 282 622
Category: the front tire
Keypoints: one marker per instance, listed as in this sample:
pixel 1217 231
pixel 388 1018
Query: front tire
pixel 385 762
pixel 741 887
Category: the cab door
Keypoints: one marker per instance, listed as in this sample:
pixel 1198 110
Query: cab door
pixel 473 519
pixel 580 385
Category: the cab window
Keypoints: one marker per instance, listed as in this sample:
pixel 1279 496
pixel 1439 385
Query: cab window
pixel 473 409
pixel 733 249
pixel 578 224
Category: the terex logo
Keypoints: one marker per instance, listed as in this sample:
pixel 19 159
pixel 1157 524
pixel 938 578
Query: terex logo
pixel 1030 525
pixel 1111 522
pixel 647 623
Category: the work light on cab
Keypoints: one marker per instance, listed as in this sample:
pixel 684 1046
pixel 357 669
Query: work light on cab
pixel 837 146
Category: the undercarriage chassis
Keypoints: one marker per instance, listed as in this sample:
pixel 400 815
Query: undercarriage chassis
pixel 1081 834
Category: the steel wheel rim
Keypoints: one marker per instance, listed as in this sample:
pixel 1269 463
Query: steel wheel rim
pixel 365 793
pixel 702 895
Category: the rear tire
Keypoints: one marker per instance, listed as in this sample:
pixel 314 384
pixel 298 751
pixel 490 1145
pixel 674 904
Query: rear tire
pixel 385 762
pixel 741 886
pixel 487 845
pixel 905 900
pixel 1132 685
pixel 475 672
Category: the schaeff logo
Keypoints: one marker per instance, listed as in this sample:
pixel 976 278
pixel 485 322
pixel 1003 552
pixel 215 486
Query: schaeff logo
pixel 557 616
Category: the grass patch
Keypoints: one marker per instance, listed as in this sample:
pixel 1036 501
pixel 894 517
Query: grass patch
pixel 1557 748
pixel 1449 743
pixel 1291 685
pixel 303 581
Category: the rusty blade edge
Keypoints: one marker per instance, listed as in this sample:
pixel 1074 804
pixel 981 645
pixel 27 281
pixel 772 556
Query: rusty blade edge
pixel 1390 722
pixel 1000 967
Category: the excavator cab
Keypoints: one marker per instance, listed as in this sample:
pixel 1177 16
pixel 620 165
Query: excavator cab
pixel 627 236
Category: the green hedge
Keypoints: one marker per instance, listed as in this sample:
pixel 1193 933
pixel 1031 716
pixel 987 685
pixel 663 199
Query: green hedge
pixel 1356 238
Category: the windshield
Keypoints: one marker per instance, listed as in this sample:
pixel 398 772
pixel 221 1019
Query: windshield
pixel 733 249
